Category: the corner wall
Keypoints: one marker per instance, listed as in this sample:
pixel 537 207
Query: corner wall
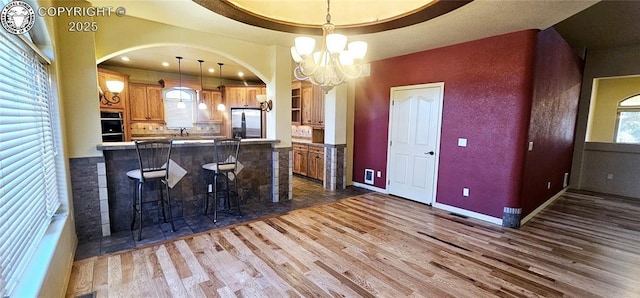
pixel 557 81
pixel 487 99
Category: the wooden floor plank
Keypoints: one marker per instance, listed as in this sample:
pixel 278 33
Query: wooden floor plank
pixel 374 245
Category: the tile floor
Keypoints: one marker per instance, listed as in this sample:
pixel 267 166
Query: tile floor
pixel 306 192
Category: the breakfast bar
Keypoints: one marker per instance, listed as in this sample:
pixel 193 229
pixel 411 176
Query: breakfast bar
pixel 256 169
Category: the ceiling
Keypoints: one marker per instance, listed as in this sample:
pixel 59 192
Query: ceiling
pixel 471 21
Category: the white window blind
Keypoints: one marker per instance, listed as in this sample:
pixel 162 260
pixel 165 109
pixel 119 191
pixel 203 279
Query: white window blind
pixel 28 182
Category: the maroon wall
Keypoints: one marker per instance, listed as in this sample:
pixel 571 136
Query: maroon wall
pixel 487 99
pixel 558 76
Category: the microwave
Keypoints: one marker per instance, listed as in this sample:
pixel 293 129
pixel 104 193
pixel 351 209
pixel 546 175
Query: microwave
pixel 112 124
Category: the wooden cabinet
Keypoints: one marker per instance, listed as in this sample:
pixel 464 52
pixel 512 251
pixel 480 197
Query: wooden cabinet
pixel 146 103
pixel 316 162
pixel 242 96
pixel 317 107
pixel 300 159
pixel 307 98
pixel 212 98
pixel 105 75
pixel 308 160
pixel 296 103
pixel 307 101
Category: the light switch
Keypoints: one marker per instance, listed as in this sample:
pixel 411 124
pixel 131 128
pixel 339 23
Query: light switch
pixel 530 146
pixel 379 174
pixel 462 142
pixel 465 192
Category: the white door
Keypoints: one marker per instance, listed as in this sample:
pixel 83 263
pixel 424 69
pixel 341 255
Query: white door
pixel 414 141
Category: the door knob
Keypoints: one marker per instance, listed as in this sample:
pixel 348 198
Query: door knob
pixel 430 153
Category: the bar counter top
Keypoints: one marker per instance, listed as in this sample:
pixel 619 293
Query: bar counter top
pixel 180 143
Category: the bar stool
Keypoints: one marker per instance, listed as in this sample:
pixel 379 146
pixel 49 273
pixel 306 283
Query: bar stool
pixel 226 162
pixel 153 161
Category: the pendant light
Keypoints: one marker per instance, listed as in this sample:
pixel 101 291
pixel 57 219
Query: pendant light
pixel 221 106
pixel 181 104
pixel 202 105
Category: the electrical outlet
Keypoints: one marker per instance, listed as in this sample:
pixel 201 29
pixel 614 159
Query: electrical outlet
pixel 210 188
pixel 465 192
pixel 379 174
pixel 531 146
pixel 609 176
pixel 462 142
pixel 549 185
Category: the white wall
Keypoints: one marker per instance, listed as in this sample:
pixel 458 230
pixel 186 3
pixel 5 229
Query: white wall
pixel 614 62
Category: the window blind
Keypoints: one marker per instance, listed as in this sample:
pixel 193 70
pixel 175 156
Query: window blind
pixel 28 182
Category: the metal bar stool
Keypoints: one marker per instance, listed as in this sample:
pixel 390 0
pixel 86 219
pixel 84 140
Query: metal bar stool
pixel 153 159
pixel 226 163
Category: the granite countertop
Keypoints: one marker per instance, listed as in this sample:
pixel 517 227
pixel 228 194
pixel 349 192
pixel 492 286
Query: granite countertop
pixel 306 142
pixel 181 143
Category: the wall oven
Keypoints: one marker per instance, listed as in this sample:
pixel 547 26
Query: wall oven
pixel 112 126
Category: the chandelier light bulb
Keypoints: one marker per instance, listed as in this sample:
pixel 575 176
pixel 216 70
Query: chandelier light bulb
pixel 305 45
pixel 294 54
pixel 358 49
pixel 336 43
pixel 202 106
pixel 181 105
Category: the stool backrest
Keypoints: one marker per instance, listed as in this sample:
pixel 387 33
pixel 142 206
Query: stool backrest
pixel 153 157
pixel 226 153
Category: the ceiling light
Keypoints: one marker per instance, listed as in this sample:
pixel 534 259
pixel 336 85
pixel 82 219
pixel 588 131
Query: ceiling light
pixel 124 58
pixel 332 64
pixel 165 64
pixel 240 74
pixel 211 70
pixel 202 105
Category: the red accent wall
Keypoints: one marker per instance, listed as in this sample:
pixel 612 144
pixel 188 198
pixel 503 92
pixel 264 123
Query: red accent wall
pixel 558 77
pixel 487 99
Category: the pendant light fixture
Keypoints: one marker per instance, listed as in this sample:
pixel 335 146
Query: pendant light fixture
pixel 181 104
pixel 331 65
pixel 202 105
pixel 221 106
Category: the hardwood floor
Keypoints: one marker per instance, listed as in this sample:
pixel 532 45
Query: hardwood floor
pixel 376 245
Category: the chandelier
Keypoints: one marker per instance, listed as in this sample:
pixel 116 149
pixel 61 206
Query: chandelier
pixel 332 64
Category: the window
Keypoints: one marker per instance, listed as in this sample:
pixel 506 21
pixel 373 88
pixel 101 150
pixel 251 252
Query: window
pixel 28 180
pixel 628 125
pixel 174 116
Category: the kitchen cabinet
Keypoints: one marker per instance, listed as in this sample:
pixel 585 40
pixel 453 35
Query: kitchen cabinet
pixel 296 103
pixel 311 105
pixel 307 106
pixel 146 103
pixel 212 98
pixel 317 107
pixel 300 159
pixel 315 159
pixel 105 75
pixel 308 160
pixel 242 96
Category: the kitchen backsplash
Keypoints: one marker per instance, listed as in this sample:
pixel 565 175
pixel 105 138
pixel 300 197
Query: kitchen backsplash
pixel 301 131
pixel 159 129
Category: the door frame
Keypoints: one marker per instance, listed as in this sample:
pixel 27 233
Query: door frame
pixel 438 135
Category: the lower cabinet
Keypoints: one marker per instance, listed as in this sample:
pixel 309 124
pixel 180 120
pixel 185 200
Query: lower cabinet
pixel 316 163
pixel 308 160
pixel 300 159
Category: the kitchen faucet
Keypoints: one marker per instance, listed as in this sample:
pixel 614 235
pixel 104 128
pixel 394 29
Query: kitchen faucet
pixel 183 132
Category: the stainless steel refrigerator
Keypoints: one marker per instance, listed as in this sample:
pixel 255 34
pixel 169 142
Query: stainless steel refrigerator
pixel 246 123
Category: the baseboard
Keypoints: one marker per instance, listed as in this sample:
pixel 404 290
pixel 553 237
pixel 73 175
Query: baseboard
pixel 543 206
pixel 468 213
pixel 370 187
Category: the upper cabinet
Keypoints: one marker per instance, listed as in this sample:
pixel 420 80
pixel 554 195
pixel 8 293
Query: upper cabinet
pixel 145 103
pixel 307 105
pixel 106 97
pixel 296 103
pixel 242 96
pixel 212 98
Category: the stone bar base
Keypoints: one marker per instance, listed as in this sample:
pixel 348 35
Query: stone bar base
pixel 282 174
